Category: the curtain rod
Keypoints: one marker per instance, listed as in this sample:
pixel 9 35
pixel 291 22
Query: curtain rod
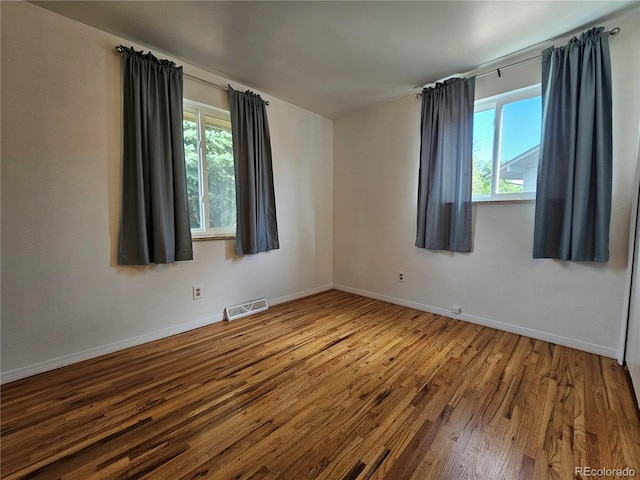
pixel 613 32
pixel 119 51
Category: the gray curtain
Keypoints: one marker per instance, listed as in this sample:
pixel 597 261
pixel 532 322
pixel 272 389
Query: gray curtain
pixel 444 183
pixel 573 197
pixel 154 224
pixel 256 223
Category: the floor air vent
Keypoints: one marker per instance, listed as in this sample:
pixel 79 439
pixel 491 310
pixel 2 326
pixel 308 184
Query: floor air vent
pixel 244 309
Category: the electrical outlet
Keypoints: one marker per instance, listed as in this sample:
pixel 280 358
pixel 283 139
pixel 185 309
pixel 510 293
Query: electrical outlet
pixel 197 292
pixel 400 276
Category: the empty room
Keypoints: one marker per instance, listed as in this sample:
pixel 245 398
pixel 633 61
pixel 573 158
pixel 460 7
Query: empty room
pixel 320 240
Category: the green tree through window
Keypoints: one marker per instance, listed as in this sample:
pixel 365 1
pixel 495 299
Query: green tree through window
pixel 210 170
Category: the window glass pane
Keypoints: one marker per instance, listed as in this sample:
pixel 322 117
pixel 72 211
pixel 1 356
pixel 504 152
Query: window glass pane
pixel 190 128
pixel 519 145
pixel 220 174
pixel 482 151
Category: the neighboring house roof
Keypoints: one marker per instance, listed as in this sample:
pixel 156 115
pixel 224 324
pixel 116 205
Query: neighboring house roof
pixel 516 167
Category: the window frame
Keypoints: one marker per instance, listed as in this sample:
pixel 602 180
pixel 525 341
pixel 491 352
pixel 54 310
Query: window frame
pixel 200 110
pixel 497 103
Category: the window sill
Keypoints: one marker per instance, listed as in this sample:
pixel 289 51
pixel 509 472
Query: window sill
pixel 493 202
pixel 217 237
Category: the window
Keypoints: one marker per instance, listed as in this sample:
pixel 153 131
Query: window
pixel 506 142
pixel 210 173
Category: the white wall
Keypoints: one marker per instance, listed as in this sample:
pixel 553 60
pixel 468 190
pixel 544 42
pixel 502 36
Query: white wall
pixel 351 222
pixel 63 296
pixel 375 189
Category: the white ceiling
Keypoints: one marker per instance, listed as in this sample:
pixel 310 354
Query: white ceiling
pixel 337 57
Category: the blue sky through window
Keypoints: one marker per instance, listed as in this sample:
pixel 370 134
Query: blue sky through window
pixel 507 126
pixel 522 124
pixel 483 134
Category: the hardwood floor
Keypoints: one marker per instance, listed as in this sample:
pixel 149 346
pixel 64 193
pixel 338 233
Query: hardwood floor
pixel 333 386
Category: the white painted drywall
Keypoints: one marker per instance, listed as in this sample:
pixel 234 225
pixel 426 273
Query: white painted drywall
pixel 64 299
pixel 375 189
pixel 63 296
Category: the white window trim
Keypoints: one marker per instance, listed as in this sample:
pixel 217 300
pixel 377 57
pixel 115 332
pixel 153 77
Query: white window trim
pixel 497 101
pixel 200 110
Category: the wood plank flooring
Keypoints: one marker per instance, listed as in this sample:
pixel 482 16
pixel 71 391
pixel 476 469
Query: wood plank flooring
pixel 333 386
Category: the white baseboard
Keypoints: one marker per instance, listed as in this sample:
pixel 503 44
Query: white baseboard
pixel 296 296
pixel 507 327
pixel 65 360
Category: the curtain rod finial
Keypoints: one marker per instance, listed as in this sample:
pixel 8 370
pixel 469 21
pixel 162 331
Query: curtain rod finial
pixel 614 31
